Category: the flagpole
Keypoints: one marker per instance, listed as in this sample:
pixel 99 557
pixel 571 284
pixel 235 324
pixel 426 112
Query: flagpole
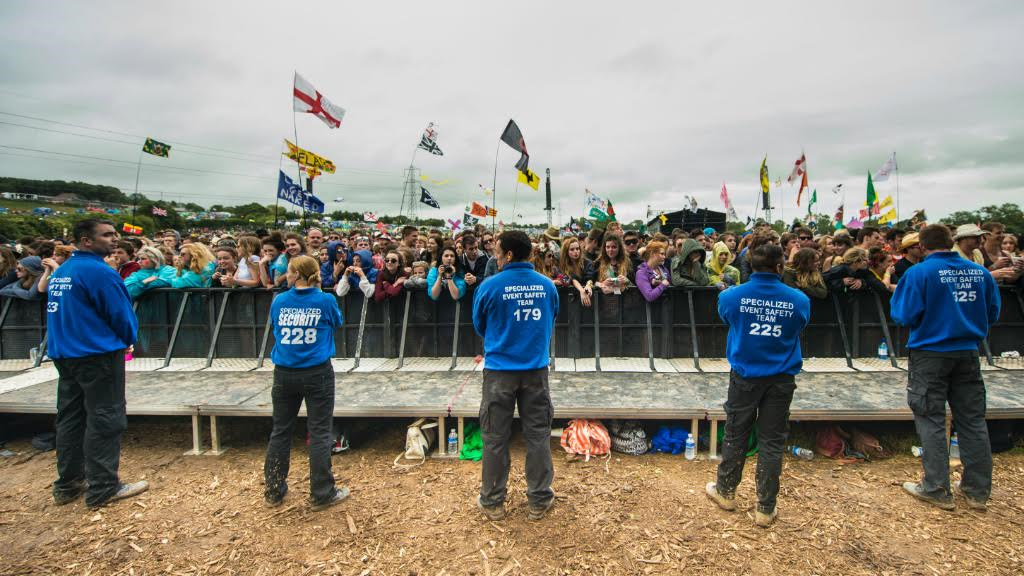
pixel 298 166
pixel 277 198
pixel 897 170
pixel 494 183
pixel 135 196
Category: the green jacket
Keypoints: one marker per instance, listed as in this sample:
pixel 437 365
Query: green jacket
pixel 687 273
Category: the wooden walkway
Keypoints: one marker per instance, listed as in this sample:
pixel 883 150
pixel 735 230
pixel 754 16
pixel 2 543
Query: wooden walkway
pixel 424 387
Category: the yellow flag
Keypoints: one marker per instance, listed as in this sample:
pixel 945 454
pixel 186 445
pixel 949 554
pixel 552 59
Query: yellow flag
pixel 889 216
pixel 885 203
pixel 307 158
pixel 663 218
pixel 529 178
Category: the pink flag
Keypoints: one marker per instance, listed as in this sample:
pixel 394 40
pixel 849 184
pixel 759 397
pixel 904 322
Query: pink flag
pixel 725 197
pixel 307 99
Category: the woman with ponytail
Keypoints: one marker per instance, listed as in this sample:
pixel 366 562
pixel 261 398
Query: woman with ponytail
pixel 304 319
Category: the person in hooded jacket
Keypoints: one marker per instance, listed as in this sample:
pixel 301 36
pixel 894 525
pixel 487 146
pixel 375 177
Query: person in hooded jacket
pixel 334 248
pixel 359 274
pixel 687 266
pixel 720 271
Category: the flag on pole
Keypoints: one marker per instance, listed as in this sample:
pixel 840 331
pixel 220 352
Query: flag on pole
pixel 131 229
pixel 799 168
pixel 724 195
pixel 663 218
pixel 888 168
pixel 289 191
pixel 454 225
pixel 888 217
pixel 837 188
pixel 156 148
pixel 872 198
pixel 468 220
pixel 813 201
pixel 306 98
pixel 839 217
pixel 765 184
pixel 514 138
pixel 477 209
pixel 159 211
pixel 427 199
pixel 529 178
pixel 428 141
pixel 803 186
pixel 369 217
pixel 491 211
pixel 887 202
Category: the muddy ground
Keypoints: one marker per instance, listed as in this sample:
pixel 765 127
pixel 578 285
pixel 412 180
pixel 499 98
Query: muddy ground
pixel 626 515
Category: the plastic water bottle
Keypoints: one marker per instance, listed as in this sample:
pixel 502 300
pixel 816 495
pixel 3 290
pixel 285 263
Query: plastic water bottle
pixel 883 350
pixel 691 447
pixel 917 451
pixel 954 448
pixel 453 443
pixel 801 453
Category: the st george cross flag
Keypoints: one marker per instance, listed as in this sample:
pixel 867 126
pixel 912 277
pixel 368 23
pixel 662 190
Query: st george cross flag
pixel 369 217
pixel 428 141
pixel 803 185
pixel 427 199
pixel 514 138
pixel 888 168
pixel 307 99
pixel 159 211
pixel 453 225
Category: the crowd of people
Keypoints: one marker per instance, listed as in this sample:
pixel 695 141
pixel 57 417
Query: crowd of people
pixel 610 260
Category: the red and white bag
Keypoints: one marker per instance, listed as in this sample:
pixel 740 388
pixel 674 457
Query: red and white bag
pixel 586 437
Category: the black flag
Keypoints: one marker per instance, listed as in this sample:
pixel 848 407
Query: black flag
pixel 427 199
pixel 514 138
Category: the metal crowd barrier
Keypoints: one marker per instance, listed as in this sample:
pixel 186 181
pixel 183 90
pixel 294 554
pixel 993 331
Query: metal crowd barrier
pixel 235 323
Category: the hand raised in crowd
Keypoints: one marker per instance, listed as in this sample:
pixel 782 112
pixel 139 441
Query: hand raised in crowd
pixel 111 261
pixel 470 279
pixel 228 280
pixel 358 271
pixel 50 264
pixel 401 280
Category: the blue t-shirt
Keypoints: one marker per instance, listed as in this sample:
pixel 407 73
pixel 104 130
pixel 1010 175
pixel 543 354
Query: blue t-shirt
pixel 765 318
pixel 947 301
pixel 304 320
pixel 278 267
pixel 514 312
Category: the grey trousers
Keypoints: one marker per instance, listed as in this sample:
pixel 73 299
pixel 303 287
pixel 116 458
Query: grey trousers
pixel 955 377
pixel 503 391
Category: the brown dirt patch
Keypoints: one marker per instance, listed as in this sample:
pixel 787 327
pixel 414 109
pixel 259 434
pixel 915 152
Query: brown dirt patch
pixel 629 515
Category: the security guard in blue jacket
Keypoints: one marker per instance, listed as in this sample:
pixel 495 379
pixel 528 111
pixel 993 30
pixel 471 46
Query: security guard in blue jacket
pixel 765 318
pixel 90 324
pixel 514 312
pixel 948 302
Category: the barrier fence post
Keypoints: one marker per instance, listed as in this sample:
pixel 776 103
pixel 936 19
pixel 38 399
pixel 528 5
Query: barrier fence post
pixel 455 335
pixel 3 318
pixel 216 328
pixel 885 328
pixel 650 336
pixel 41 352
pixel 855 328
pixel 263 342
pixel 988 352
pixel 405 325
pixel 574 332
pixel 597 333
pixel 693 330
pixel 177 327
pixel 359 337
pixel 842 330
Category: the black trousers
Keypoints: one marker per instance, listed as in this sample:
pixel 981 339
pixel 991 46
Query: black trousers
pixel 291 385
pixel 955 377
pixel 90 420
pixel 764 402
pixel 503 390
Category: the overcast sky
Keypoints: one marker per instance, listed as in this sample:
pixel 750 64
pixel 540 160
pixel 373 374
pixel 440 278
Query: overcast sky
pixel 640 102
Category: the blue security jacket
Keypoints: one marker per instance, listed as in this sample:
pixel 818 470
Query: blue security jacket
pixel 765 318
pixel 304 320
pixel 947 301
pixel 514 312
pixel 89 311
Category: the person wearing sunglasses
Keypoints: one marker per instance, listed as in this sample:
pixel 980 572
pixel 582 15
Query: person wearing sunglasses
pixel 631 241
pixel 391 278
